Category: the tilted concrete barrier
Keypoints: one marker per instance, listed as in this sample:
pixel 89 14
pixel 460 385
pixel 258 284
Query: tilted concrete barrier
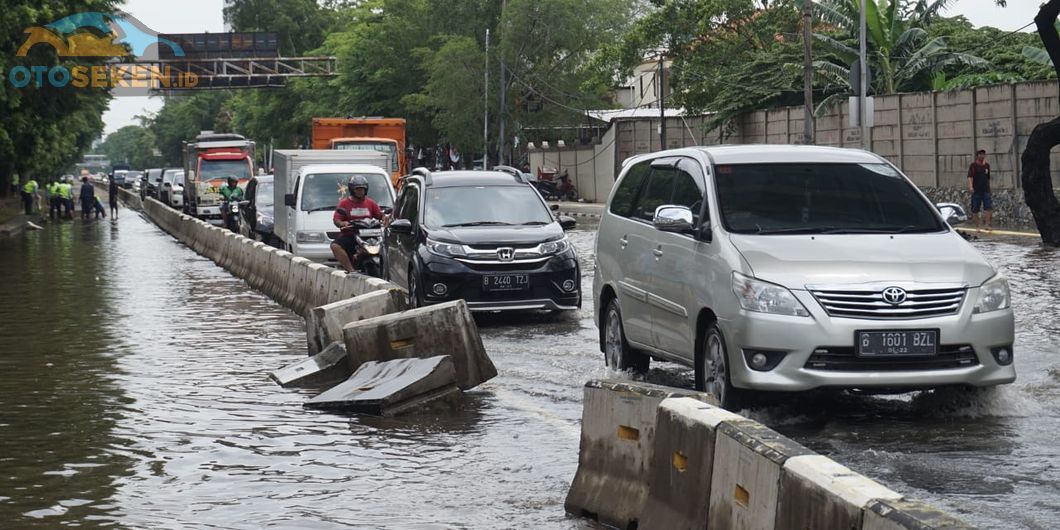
pixel 618 431
pixel 682 464
pixel 324 323
pixel 443 329
pixel 392 387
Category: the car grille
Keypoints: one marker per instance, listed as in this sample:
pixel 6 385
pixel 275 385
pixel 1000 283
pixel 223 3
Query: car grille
pixel 843 359
pixel 870 303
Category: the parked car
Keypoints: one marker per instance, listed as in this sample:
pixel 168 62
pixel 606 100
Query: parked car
pixel 130 179
pixel 257 210
pixel 149 183
pixel 119 176
pixel 171 192
pixel 789 268
pixel 484 236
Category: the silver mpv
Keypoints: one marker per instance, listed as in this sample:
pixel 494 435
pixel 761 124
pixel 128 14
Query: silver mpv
pixel 788 268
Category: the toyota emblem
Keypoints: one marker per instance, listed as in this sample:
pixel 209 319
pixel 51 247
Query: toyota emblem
pixel 506 254
pixel 894 295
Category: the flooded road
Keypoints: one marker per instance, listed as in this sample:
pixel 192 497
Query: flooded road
pixel 134 394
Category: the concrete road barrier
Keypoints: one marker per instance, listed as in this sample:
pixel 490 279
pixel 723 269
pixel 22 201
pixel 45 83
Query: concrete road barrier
pixel 421 333
pixel 909 515
pixel 745 485
pixel 295 296
pixel 682 464
pixel 817 492
pixel 324 369
pixel 279 269
pixel 336 284
pixel 324 323
pixel 318 282
pixel 617 440
pixel 392 387
pixel 258 272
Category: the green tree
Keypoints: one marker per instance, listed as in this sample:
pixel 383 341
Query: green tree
pixel 183 117
pixel 133 145
pixel 300 25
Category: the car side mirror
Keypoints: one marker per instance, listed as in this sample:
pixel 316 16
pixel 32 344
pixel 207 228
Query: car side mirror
pixel 401 226
pixel 288 200
pixel 953 213
pixel 567 222
pixel 670 218
pixel 554 207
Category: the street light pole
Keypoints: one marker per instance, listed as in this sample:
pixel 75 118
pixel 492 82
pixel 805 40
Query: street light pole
pixel 807 74
pixel 863 113
pixel 662 102
pixel 486 107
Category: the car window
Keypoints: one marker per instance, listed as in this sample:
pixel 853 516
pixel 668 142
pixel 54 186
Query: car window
pixel 656 193
pixel 687 193
pixel 820 198
pixel 628 187
pixel 484 205
pixel 410 207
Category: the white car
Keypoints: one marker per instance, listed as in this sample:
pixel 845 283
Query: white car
pixel 171 189
pixel 789 268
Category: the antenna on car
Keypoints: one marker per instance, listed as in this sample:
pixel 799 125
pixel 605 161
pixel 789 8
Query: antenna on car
pixel 425 173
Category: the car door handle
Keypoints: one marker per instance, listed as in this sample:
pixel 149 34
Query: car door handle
pixel 623 242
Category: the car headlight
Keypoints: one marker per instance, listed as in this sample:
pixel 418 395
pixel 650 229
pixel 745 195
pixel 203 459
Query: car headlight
pixel 555 247
pixel 993 295
pixel 448 250
pixel 310 237
pixel 764 297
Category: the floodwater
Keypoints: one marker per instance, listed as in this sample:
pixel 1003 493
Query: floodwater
pixel 134 394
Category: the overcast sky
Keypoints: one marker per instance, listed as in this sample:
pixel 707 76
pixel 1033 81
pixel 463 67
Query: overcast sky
pixel 194 16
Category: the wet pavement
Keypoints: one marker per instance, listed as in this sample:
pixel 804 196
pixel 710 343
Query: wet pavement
pixel 134 394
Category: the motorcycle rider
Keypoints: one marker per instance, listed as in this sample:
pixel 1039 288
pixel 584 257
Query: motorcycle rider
pixel 358 205
pixel 231 192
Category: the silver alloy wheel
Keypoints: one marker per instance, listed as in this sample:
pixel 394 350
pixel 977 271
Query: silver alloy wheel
pixel 714 372
pixel 613 338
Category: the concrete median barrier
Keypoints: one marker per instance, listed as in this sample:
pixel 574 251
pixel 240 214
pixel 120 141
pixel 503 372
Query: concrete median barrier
pixel 745 485
pixel 617 441
pixel 275 285
pixel 682 464
pixel 817 492
pixel 318 282
pixel 336 283
pixel 420 333
pixel 392 387
pixel 258 269
pixel 909 515
pixel 324 323
pixel 324 369
pixel 295 297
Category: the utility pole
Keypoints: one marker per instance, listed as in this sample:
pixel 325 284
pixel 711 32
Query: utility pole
pixel 501 139
pixel 807 74
pixel 863 113
pixel 662 101
pixel 486 107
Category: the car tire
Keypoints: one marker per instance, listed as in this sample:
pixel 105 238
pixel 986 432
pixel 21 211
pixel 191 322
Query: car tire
pixel 713 373
pixel 618 354
pixel 415 296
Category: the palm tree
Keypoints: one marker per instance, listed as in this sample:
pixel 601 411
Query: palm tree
pixel 901 55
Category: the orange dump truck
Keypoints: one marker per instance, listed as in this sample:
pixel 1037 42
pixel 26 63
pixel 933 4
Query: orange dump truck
pixel 365 134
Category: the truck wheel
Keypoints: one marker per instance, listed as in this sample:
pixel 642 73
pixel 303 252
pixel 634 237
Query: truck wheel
pixel 618 354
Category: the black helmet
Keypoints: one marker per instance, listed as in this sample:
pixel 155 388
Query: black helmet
pixel 232 180
pixel 357 181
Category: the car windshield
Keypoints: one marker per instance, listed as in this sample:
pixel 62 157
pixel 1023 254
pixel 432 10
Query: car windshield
pixel 484 205
pixel 221 169
pixel 820 199
pixel 382 147
pixel 323 191
pixel 264 194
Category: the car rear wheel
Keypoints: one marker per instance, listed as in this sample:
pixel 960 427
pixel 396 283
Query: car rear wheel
pixel 618 354
pixel 712 371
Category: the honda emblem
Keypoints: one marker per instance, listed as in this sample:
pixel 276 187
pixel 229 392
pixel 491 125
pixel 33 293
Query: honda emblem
pixel 506 253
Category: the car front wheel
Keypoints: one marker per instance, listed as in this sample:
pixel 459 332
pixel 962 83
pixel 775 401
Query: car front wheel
pixel 618 354
pixel 712 371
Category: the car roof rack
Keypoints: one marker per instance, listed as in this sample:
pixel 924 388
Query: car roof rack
pixel 515 172
pixel 425 173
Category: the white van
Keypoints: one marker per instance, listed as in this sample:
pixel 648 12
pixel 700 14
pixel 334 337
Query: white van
pixel 787 268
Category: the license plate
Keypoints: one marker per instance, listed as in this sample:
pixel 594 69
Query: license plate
pixel 370 232
pixel 506 282
pixel 897 343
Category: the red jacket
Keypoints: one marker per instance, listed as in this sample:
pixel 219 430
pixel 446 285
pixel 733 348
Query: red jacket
pixel 352 210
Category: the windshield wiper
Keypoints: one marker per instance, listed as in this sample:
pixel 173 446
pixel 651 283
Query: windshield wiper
pixel 797 230
pixel 321 209
pixel 535 223
pixel 478 223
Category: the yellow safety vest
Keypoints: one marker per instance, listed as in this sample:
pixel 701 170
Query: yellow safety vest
pixel 66 191
pixel 30 187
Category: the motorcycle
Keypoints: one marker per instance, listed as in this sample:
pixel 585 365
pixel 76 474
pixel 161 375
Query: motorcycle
pixel 231 217
pixel 369 238
pixel 555 186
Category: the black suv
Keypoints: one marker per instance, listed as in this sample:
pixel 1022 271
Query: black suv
pixel 485 236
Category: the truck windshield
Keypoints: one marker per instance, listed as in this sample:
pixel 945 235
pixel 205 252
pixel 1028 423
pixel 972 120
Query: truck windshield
pixel 820 199
pixel 382 147
pixel 484 205
pixel 221 169
pixel 323 191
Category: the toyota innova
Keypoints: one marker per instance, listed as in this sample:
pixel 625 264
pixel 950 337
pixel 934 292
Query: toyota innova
pixel 789 268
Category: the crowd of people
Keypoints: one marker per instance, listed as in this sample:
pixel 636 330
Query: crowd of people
pixel 59 194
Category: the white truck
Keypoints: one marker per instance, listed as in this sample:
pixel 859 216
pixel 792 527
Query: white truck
pixel 309 184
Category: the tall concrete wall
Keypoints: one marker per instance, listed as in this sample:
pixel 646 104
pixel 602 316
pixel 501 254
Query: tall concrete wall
pixel 932 136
